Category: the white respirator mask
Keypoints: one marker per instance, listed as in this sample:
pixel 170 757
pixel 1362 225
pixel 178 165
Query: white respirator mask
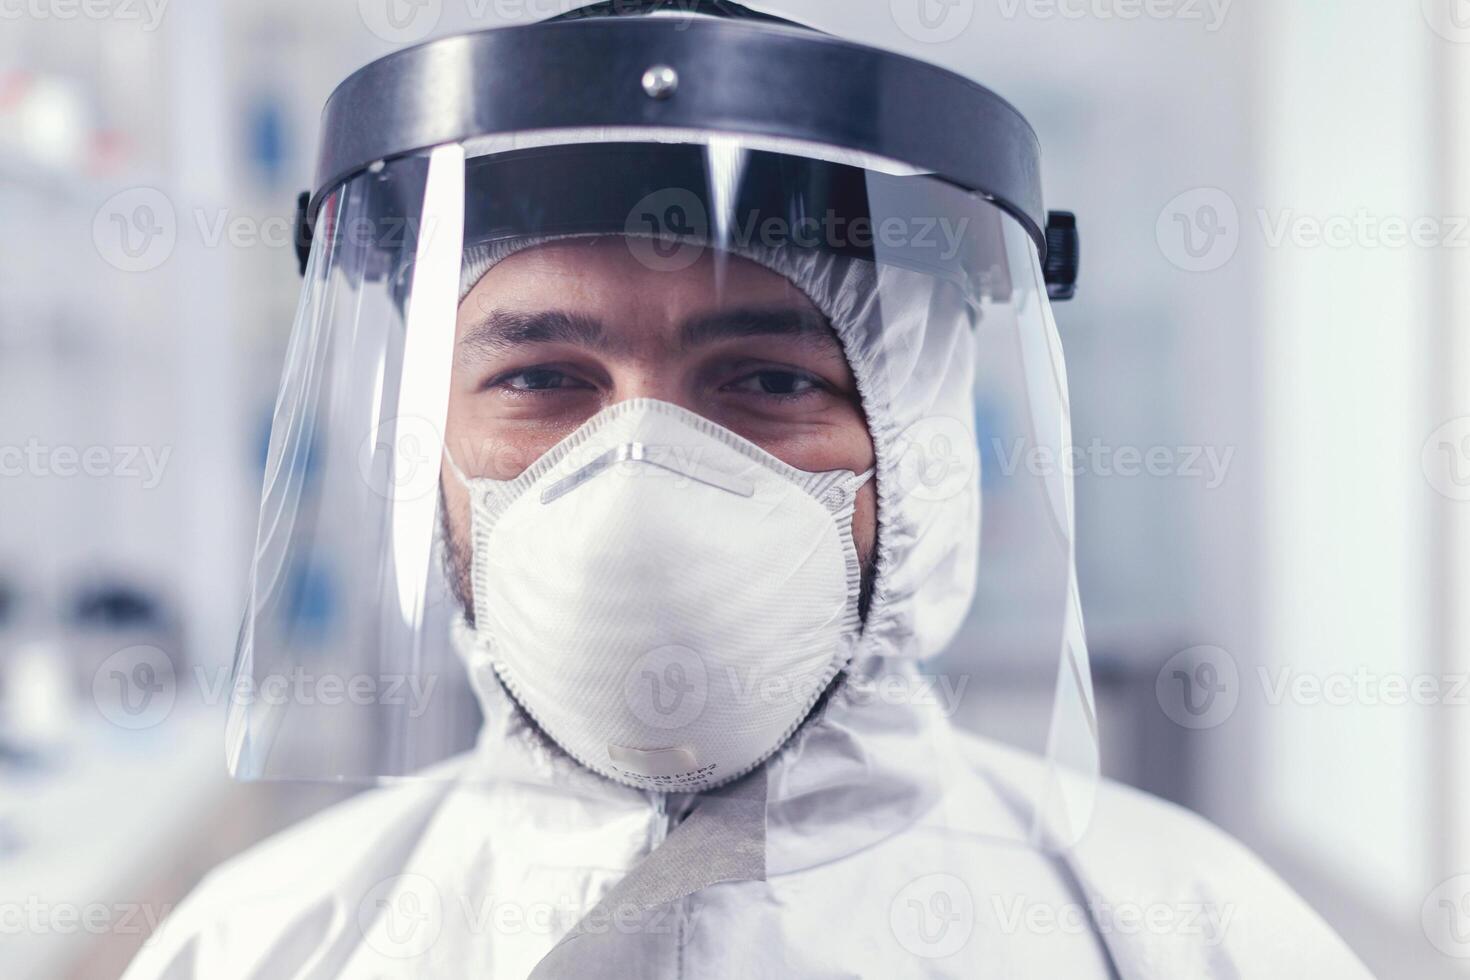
pixel 664 598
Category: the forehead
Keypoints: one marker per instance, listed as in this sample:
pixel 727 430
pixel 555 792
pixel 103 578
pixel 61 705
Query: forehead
pixel 624 281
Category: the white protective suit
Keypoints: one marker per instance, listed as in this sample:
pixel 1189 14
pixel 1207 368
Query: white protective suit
pixel 836 859
pixel 454 879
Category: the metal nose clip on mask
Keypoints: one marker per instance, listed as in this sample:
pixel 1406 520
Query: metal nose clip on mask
pixel 682 643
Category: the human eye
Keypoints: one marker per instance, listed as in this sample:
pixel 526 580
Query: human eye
pixel 776 382
pixel 532 380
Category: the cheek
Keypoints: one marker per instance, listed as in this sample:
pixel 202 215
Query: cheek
pixel 834 439
pixel 485 445
pixel 456 503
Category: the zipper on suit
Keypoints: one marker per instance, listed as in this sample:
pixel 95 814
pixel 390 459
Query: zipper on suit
pixel 659 832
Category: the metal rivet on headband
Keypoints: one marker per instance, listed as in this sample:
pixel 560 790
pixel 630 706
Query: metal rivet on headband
pixel 660 81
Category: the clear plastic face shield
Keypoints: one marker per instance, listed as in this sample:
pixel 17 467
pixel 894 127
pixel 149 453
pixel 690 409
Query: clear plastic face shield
pixel 681 449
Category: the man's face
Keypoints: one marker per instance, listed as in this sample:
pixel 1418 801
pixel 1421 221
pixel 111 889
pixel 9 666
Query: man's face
pixel 554 334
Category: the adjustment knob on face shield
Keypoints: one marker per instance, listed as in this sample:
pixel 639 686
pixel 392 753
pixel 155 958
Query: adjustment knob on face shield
pixel 1063 250
pixel 301 233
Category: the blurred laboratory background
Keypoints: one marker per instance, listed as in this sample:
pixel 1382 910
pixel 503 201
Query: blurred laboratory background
pixel 1270 373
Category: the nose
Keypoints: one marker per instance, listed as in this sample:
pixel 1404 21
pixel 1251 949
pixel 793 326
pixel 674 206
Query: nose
pixel 651 380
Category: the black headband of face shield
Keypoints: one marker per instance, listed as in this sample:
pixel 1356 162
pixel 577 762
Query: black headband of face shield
pixel 667 190
pixel 729 198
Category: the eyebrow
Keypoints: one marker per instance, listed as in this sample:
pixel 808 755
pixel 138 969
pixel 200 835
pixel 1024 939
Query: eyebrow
pixel 501 331
pixel 807 326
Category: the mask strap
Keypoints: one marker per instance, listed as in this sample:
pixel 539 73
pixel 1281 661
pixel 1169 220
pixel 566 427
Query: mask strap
pixel 841 493
pixel 464 481
pixel 856 482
